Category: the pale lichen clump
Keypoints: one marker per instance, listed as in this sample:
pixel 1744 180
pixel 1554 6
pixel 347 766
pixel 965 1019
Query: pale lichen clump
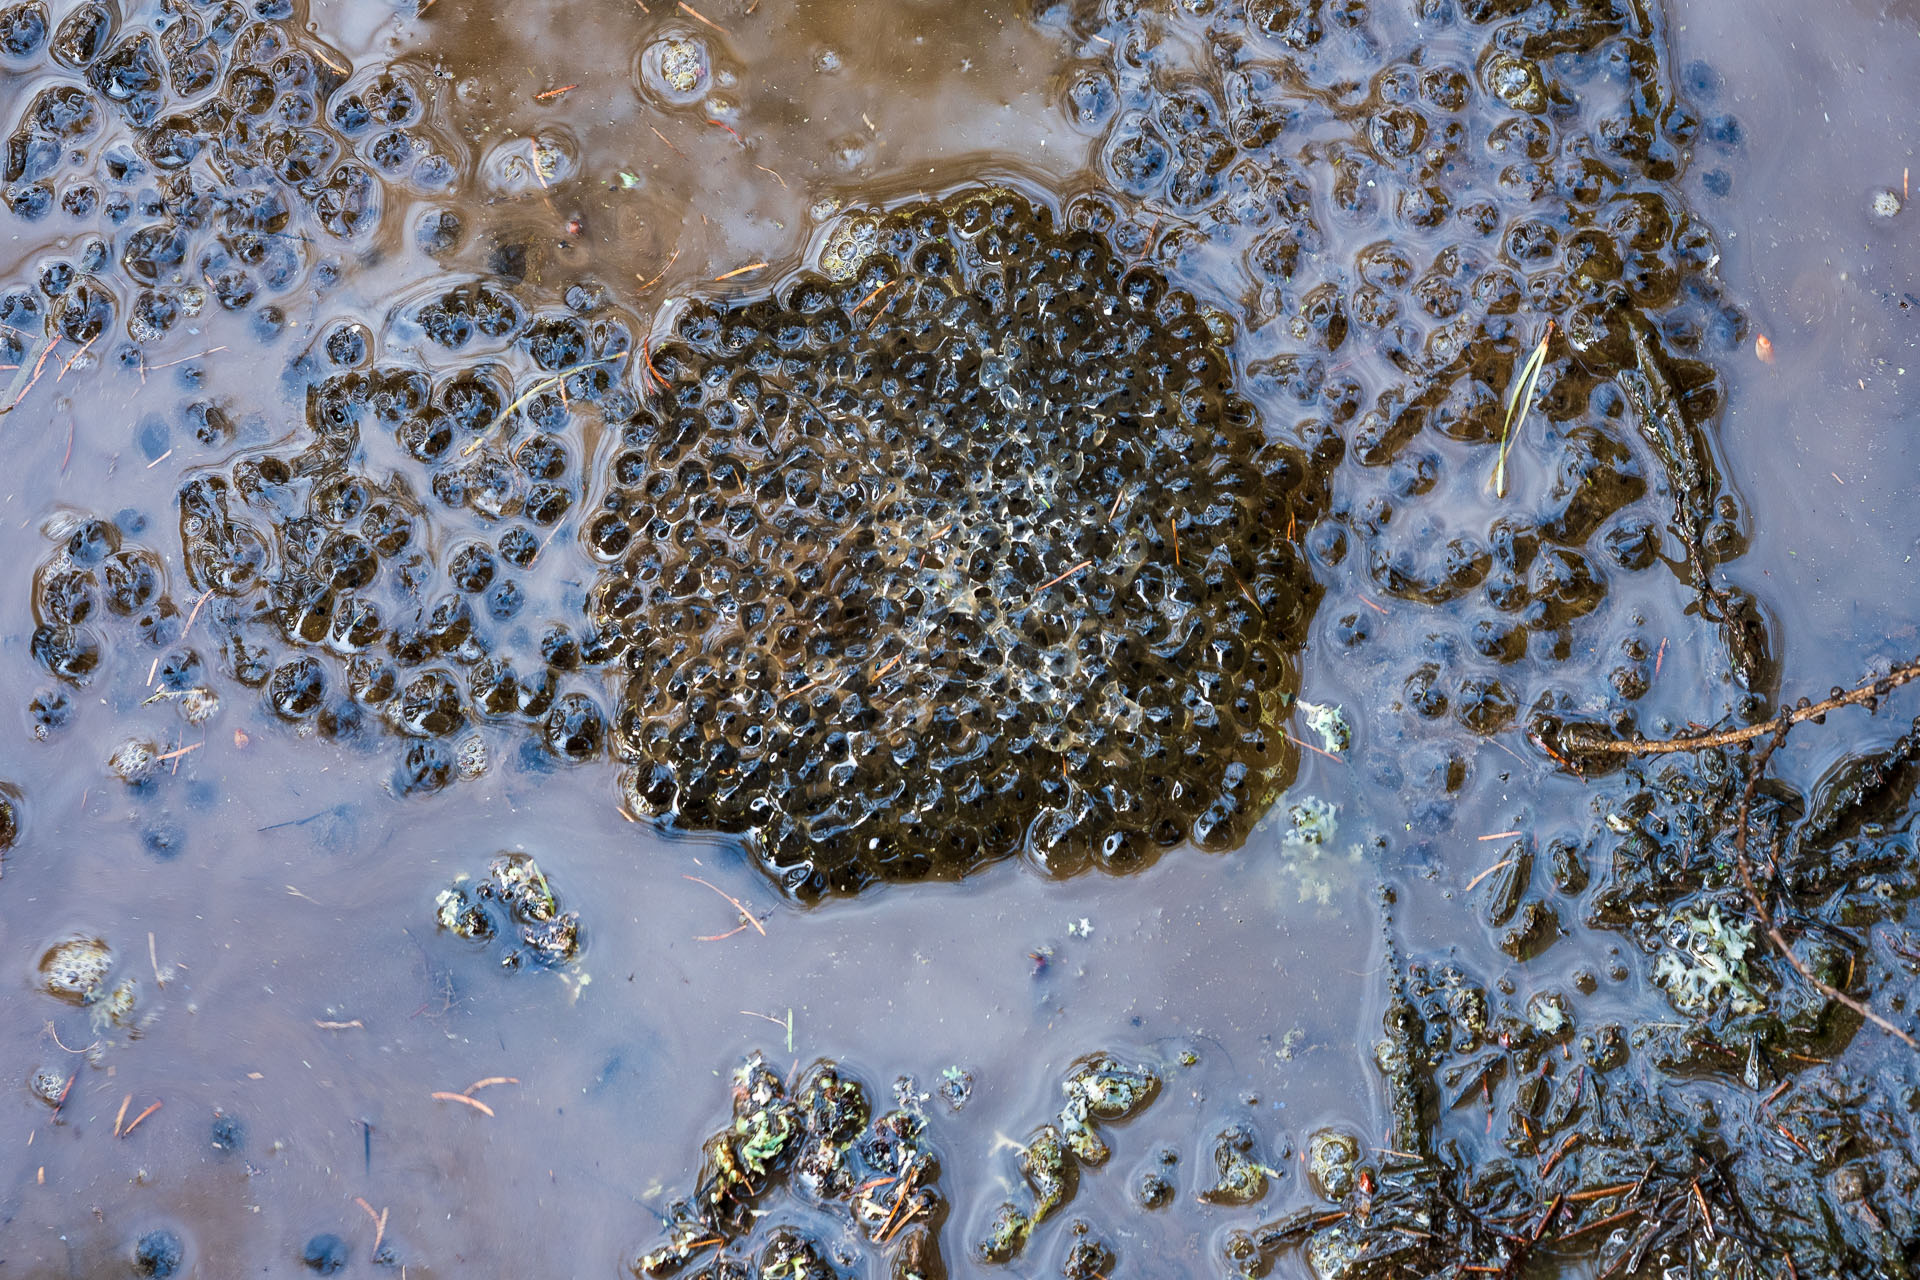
pixel 1311 851
pixel 1705 967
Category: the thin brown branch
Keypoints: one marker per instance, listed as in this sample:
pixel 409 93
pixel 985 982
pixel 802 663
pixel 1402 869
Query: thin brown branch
pixel 1869 692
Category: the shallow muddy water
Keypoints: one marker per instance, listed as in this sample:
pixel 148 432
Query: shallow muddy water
pixel 288 1045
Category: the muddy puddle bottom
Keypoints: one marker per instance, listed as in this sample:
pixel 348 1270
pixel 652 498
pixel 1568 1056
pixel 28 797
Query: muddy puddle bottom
pixel 445 434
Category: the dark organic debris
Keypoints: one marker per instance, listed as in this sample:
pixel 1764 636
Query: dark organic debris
pixel 325 1253
pixel 159 1254
pixel 877 1175
pixel 1750 1126
pixel 1100 1090
pixel 514 903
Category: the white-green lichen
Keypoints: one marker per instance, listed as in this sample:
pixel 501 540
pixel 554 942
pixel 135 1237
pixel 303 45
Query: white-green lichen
pixel 1315 822
pixel 1704 965
pixel 1310 851
pixel 1329 722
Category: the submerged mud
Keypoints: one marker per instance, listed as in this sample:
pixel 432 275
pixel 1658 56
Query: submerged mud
pixel 718 452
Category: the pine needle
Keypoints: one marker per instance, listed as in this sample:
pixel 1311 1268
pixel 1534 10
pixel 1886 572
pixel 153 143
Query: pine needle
pixel 544 385
pixel 1519 397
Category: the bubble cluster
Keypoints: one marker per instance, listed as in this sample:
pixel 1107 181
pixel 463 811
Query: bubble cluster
pixel 1406 196
pixel 76 969
pixel 972 552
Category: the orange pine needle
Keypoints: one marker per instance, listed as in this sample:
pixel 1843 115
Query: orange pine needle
pixel 663 137
pixel 1475 882
pixel 1319 751
pixel 124 1104
pixel 478 1085
pixel 75 358
pixel 877 291
pixel 730 898
pixel 379 1221
pixel 554 93
pixel 719 937
pixel 183 359
pixel 739 271
pixel 137 1119
pixel 1054 582
pixel 648 284
pixel 475 1103
pixel 1600 1193
pixel 701 17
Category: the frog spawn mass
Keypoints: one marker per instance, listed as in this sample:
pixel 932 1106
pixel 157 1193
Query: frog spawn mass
pixel 966 550
pixel 1404 196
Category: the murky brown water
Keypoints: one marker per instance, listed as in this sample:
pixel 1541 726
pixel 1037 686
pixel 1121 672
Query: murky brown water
pixel 274 901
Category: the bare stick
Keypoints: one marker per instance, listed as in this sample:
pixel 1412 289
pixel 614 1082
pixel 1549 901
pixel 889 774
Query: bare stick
pixel 1868 692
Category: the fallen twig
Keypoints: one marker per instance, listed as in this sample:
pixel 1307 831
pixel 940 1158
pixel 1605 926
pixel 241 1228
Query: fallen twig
pixel 1871 691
